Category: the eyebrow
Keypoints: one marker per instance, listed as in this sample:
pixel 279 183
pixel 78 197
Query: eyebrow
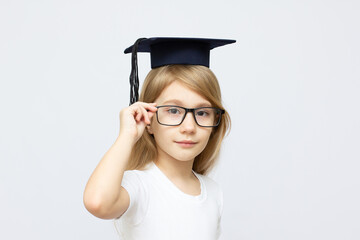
pixel 179 103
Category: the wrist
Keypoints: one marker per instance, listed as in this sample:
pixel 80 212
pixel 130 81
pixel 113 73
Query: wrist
pixel 125 139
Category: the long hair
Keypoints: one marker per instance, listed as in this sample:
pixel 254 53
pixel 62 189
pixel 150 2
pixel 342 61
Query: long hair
pixel 198 78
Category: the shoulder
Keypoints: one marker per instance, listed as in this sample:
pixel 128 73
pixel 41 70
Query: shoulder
pixel 211 185
pixel 137 175
pixel 134 176
pixel 210 182
pixel 134 173
pixel 214 192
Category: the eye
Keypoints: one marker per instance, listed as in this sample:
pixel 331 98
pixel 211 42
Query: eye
pixel 202 113
pixel 173 111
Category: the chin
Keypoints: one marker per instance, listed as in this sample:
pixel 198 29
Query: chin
pixel 185 157
pixel 184 160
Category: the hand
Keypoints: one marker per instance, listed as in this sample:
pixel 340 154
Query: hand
pixel 133 119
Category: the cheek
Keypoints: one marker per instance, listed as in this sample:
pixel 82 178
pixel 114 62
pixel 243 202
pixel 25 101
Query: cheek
pixel 205 137
pixel 208 133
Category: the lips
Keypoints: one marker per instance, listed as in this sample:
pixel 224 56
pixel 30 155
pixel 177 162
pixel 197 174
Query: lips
pixel 186 143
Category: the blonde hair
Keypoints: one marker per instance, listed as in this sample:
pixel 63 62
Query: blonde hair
pixel 198 78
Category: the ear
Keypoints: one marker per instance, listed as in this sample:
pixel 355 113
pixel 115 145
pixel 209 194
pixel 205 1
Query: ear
pixel 149 130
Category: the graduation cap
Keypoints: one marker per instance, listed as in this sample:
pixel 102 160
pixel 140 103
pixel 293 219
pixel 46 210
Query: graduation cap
pixel 166 51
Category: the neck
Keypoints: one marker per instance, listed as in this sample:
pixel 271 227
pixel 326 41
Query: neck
pixel 175 169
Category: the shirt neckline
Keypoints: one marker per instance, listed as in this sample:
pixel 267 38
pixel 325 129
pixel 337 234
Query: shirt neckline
pixel 200 198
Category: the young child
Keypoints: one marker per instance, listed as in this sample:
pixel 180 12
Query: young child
pixel 153 179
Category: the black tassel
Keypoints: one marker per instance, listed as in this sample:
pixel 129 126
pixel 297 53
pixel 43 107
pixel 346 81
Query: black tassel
pixel 134 78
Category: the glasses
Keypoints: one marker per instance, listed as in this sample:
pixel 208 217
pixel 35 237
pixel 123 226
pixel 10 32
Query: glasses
pixel 171 115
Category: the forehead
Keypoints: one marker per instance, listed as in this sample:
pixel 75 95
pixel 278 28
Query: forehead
pixel 178 93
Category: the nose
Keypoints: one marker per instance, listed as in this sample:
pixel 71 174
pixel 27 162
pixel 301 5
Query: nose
pixel 189 124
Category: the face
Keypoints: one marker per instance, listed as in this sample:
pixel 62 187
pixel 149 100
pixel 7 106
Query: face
pixel 187 140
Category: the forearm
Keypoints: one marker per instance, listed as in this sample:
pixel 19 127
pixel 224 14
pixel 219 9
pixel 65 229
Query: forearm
pixel 103 187
pixel 102 195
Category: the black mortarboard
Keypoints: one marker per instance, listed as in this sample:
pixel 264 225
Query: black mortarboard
pixel 165 51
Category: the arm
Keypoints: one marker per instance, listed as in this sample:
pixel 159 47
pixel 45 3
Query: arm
pixel 103 196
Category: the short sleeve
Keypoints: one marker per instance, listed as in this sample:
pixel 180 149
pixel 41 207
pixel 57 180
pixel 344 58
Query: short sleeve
pixel 135 185
pixel 221 198
pixel 221 203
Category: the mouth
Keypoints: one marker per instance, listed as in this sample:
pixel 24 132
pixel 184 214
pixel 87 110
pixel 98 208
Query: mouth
pixel 186 143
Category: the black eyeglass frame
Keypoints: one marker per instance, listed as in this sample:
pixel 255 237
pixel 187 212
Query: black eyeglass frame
pixel 221 112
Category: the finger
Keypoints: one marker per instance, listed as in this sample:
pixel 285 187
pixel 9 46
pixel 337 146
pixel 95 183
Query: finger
pixel 148 106
pixel 151 107
pixel 137 113
pixel 146 116
pixel 142 112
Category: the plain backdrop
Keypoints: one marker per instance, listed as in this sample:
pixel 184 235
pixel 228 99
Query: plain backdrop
pixel 290 166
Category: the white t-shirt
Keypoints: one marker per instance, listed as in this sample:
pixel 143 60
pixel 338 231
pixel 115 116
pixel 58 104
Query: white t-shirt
pixel 160 210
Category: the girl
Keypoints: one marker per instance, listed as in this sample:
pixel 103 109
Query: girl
pixel 153 179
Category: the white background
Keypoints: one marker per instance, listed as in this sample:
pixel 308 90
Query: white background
pixel 289 168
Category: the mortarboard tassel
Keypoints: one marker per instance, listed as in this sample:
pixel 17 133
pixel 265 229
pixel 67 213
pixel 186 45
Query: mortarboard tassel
pixel 134 78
